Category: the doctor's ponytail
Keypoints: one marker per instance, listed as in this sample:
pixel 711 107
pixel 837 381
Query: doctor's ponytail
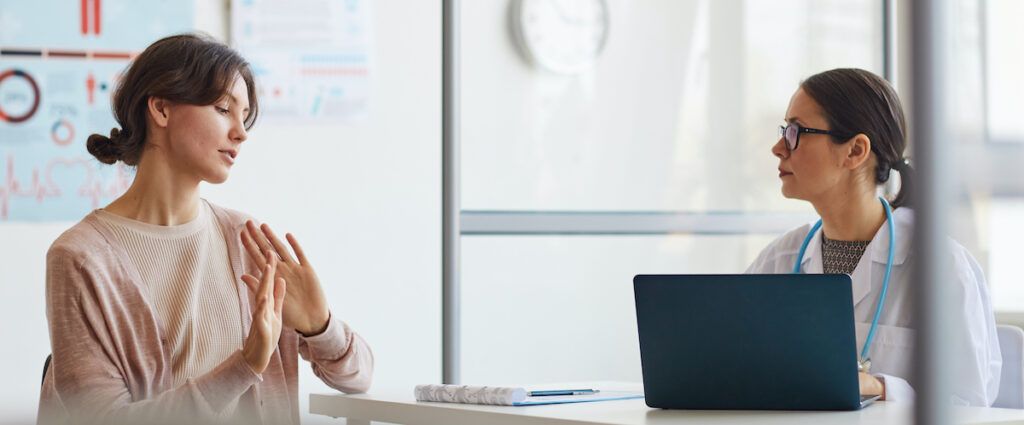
pixel 907 177
pixel 855 101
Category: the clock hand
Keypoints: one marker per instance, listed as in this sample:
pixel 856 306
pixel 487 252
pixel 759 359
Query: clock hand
pixel 566 17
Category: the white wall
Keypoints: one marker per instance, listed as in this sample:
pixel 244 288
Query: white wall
pixel 363 198
pixel 23 316
pixel 550 309
pixel 678 113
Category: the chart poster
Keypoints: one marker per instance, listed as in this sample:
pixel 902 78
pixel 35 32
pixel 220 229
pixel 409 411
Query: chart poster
pixel 311 58
pixel 59 63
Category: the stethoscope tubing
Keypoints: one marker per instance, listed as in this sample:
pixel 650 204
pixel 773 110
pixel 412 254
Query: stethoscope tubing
pixel 885 282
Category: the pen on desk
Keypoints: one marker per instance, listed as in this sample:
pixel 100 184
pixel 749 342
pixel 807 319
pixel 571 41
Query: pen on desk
pixel 562 392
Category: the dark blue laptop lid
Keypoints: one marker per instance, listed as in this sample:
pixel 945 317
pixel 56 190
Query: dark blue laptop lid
pixel 770 342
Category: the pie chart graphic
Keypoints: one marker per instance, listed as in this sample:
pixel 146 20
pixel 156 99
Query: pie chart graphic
pixel 62 132
pixel 19 96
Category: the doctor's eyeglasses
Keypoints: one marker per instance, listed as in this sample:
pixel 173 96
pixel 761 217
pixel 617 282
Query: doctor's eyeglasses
pixel 792 133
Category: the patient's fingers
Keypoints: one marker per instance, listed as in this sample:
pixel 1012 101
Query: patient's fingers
pixel 254 251
pixel 282 250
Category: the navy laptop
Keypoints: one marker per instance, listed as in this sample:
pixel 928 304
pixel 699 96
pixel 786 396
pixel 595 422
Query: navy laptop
pixel 765 342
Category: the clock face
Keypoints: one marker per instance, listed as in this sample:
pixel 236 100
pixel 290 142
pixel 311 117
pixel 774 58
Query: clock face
pixel 564 36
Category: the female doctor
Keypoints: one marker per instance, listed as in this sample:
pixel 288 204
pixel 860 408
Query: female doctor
pixel 844 137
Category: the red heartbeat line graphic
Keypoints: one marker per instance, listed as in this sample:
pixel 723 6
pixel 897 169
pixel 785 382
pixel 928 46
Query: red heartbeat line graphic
pixel 42 185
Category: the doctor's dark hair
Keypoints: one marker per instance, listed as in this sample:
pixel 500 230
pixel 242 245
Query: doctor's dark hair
pixel 187 68
pixel 855 101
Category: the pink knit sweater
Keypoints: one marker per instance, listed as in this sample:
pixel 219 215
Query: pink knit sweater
pixel 111 362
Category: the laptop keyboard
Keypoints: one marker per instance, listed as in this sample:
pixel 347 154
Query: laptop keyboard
pixel 868 399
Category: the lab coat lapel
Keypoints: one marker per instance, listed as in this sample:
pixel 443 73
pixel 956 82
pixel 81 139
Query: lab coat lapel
pixel 862 274
pixel 904 219
pixel 877 255
pixel 812 263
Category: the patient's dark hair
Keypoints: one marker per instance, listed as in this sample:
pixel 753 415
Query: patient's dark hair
pixel 187 68
pixel 856 101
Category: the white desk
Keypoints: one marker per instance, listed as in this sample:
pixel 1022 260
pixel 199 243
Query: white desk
pixel 402 408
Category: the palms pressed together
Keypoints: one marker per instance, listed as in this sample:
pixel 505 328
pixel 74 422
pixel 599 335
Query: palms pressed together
pixel 305 306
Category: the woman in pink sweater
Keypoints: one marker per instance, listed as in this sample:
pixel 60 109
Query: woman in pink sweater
pixel 163 307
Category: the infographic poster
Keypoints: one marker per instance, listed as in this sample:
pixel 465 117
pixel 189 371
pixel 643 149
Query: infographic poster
pixel 59 63
pixel 311 58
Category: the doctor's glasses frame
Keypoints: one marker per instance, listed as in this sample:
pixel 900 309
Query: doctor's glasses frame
pixel 792 131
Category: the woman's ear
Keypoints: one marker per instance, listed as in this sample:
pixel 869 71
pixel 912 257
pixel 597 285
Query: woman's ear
pixel 158 109
pixel 858 151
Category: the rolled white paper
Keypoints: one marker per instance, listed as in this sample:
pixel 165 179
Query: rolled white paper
pixel 502 396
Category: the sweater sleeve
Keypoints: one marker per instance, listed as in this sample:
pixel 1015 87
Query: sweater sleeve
pixel 89 369
pixel 339 356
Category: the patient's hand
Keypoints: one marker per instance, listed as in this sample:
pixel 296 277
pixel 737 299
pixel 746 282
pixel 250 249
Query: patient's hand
pixel 305 307
pixel 265 331
pixel 869 385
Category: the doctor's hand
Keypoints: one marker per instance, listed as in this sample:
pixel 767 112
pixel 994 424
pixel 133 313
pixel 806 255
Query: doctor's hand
pixel 869 385
pixel 305 306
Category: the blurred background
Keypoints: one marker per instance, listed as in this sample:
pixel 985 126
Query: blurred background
pixel 599 139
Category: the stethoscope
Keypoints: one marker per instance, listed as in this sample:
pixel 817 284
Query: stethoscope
pixel 864 362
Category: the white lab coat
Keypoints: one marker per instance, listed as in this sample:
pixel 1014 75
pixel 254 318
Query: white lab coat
pixel 978 359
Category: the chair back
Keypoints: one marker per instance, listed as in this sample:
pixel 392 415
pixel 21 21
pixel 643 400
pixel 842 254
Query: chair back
pixel 1011 383
pixel 46 367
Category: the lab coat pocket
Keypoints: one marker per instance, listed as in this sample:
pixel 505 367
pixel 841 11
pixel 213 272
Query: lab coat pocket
pixel 892 351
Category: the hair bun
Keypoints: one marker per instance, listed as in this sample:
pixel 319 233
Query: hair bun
pixel 106 149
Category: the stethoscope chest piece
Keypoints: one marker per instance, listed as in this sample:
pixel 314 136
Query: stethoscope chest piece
pixel 864 365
